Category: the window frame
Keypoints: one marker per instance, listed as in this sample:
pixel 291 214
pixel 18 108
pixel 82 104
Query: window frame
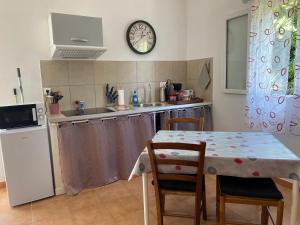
pixel 224 51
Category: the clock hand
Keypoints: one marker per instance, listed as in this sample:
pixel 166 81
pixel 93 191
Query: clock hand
pixel 139 39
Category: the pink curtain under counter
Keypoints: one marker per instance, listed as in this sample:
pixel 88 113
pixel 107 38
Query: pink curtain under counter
pixel 101 151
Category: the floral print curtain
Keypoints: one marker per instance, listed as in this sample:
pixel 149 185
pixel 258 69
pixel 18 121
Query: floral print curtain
pixel 295 118
pixel 268 62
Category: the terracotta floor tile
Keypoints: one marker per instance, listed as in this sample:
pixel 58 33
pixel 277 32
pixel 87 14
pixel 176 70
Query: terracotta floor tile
pixel 87 199
pixel 15 216
pixel 121 203
pixel 49 208
pixel 92 216
pixel 55 221
pixel 112 192
pixel 134 218
pixel 120 208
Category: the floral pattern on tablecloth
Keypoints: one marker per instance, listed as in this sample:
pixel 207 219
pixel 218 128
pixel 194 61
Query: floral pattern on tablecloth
pixel 242 154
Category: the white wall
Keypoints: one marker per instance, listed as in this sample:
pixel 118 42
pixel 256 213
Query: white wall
pixel 206 38
pixel 185 28
pixel 24 38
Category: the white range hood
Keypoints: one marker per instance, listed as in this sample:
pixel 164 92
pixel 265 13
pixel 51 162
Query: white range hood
pixel 75 37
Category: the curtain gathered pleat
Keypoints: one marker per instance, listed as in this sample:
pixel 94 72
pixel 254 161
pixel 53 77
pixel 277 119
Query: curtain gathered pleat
pixel 271 24
pixel 295 117
pixel 99 152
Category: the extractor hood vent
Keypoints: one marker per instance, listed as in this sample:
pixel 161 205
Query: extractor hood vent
pixel 76 52
pixel 75 37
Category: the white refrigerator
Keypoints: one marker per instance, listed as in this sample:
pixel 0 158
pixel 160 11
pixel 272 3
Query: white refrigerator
pixel 27 164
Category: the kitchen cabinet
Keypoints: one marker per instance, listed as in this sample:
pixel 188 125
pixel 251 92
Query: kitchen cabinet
pixel 100 151
pixel 108 142
pixel 76 30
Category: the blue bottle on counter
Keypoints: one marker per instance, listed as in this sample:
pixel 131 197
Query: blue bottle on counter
pixel 135 99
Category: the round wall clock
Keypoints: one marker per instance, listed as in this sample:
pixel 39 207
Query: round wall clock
pixel 141 37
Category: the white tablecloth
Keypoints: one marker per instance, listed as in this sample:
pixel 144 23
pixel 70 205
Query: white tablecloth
pixel 242 154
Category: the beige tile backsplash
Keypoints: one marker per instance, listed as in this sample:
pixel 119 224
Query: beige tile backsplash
pixel 86 80
pixel 126 72
pixel 55 73
pixel 105 72
pixel 145 71
pixel 85 93
pixel 81 73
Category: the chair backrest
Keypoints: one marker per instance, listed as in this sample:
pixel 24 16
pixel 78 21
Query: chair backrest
pixel 198 122
pixel 156 162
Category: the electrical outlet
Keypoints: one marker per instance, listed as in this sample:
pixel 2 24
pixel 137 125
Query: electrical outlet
pixel 47 90
pixel 162 84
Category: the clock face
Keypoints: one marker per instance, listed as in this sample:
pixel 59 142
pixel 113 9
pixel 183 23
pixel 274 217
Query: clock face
pixel 141 37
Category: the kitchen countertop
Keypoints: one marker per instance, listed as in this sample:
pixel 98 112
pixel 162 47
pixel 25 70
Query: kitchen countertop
pixel 134 110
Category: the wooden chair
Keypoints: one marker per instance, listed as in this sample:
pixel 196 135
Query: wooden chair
pixel 249 191
pixel 198 122
pixel 178 184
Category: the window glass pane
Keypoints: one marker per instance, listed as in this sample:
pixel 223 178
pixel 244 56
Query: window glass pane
pixel 236 52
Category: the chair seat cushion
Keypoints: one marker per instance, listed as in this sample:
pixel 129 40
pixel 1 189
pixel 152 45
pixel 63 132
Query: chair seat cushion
pixel 249 187
pixel 177 185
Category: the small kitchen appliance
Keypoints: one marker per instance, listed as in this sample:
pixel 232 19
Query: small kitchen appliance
pixel 27 162
pixel 26 153
pixel 24 115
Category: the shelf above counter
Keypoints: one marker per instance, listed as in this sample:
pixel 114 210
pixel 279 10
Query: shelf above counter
pixel 132 110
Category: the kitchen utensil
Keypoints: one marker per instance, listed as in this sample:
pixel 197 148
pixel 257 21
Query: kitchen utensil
pixel 16 95
pixel 106 89
pixel 111 90
pixel 177 86
pixel 162 94
pixel 169 89
pixel 54 108
pixel 111 95
pixel 115 97
pixel 115 93
pixel 20 85
pixel 56 96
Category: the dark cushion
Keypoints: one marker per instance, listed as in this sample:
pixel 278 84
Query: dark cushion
pixel 180 185
pixel 177 185
pixel 249 187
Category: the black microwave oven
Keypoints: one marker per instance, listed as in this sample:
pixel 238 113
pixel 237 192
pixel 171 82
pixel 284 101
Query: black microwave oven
pixel 25 115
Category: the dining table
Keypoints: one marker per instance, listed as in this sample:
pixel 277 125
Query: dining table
pixel 240 154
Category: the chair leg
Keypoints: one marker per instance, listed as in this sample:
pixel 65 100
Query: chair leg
pixel 197 210
pixel 160 209
pixel 163 203
pixel 264 215
pixel 279 216
pixel 217 200
pixel 204 199
pixel 204 206
pixel 222 211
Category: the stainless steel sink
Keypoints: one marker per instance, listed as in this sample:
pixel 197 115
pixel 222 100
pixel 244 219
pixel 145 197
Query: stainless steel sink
pixel 154 104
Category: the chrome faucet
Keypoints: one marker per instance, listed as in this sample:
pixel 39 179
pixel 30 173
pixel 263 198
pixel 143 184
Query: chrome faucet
pixel 150 92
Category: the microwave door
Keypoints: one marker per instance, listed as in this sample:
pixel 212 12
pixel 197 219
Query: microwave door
pixel 18 116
